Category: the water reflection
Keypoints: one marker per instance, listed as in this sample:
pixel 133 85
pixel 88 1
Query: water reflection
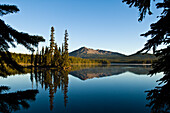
pixel 103 71
pixel 10 102
pixel 116 92
pixel 159 98
pixel 52 80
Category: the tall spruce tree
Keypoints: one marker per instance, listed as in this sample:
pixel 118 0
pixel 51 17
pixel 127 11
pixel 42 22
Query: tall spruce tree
pixel 62 56
pixel 160 34
pixel 66 42
pixel 65 53
pixel 52 44
pixel 8 36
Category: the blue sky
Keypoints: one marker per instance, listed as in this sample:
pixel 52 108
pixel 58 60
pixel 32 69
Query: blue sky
pixel 98 24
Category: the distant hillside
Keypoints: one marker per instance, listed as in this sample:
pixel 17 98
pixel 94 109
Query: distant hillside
pixel 89 53
pixel 84 52
pixel 142 56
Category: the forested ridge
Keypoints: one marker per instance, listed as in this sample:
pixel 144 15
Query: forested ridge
pixel 26 59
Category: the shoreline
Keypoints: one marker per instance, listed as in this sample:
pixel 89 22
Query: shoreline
pixel 116 64
pixel 137 64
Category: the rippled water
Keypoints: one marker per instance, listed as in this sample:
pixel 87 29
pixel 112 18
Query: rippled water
pixel 104 89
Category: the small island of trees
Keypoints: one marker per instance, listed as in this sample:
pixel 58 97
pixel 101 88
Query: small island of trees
pixel 52 56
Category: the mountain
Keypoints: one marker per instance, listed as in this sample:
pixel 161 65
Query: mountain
pixel 89 53
pixel 85 52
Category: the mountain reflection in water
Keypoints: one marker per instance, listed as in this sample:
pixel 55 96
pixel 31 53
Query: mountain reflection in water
pixel 103 71
pixel 63 93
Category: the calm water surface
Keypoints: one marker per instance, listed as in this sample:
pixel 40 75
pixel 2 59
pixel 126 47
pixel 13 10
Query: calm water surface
pixel 104 89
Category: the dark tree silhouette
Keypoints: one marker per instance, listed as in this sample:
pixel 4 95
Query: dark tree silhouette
pixel 32 58
pixel 40 58
pixel 160 34
pixel 8 36
pixel 36 59
pixel 42 53
pixel 46 57
pixel 159 99
pixel 10 102
pixel 52 44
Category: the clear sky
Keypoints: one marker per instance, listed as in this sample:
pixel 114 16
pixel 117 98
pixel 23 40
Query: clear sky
pixel 98 24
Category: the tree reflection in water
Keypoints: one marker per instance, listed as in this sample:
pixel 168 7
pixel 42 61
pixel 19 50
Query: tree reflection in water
pixel 53 80
pixel 159 99
pixel 10 102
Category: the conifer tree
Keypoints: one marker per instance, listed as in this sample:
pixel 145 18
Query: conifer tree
pixel 60 58
pixel 59 49
pixel 62 49
pixel 8 36
pixel 36 59
pixel 32 58
pixel 57 56
pixel 52 44
pixel 42 53
pixel 65 42
pixel 46 57
pixel 65 53
pixel 40 58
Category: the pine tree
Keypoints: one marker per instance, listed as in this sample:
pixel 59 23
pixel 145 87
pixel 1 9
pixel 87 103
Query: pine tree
pixel 36 59
pixel 60 58
pixel 57 56
pixel 65 53
pixel 8 36
pixel 32 58
pixel 40 58
pixel 46 57
pixel 59 49
pixel 65 42
pixel 42 53
pixel 52 44
pixel 62 49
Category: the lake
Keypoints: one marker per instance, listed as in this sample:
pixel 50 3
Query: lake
pixel 94 89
